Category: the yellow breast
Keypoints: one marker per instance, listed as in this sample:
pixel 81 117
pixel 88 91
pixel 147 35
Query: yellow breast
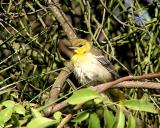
pixel 87 68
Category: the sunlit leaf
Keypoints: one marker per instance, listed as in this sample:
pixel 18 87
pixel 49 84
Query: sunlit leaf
pixel 1 125
pixel 18 108
pixel 131 122
pixel 98 100
pixel 5 115
pixel 109 118
pixel 81 117
pixel 94 121
pixel 82 96
pixel 40 122
pixel 8 104
pixel 35 112
pixel 58 116
pixel 120 119
pixel 140 105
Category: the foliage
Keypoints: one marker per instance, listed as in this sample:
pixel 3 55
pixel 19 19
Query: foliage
pixel 30 62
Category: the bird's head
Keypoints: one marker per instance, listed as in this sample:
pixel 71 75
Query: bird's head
pixel 80 46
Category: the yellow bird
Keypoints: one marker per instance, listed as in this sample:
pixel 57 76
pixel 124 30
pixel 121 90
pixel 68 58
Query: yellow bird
pixel 90 65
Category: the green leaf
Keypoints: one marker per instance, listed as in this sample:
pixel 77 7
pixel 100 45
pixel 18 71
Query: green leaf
pixel 82 96
pixel 40 122
pixel 5 115
pixel 18 108
pixel 35 112
pixel 140 105
pixel 58 116
pixel 94 121
pixel 14 95
pixel 98 100
pixel 109 118
pixel 81 117
pixel 8 104
pixel 120 122
pixel 1 125
pixel 131 122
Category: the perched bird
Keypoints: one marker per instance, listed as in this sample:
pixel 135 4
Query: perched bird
pixel 89 63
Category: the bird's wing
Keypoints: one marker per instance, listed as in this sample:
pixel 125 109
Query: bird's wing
pixel 105 62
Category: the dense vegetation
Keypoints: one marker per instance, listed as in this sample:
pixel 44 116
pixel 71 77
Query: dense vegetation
pixel 30 61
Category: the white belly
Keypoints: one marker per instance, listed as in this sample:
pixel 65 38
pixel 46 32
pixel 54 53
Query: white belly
pixel 88 69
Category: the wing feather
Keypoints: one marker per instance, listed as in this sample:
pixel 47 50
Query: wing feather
pixel 105 62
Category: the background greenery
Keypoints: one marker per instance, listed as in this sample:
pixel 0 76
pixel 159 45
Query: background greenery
pixel 129 31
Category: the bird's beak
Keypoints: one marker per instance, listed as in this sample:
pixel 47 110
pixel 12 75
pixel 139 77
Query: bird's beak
pixel 73 47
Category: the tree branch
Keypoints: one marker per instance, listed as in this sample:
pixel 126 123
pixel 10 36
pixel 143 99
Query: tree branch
pixel 67 27
pixel 122 82
pixel 137 84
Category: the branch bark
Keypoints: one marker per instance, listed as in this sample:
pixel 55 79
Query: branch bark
pixel 67 27
pixel 122 82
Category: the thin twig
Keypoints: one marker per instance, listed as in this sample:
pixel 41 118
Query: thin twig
pixel 64 121
pixel 68 117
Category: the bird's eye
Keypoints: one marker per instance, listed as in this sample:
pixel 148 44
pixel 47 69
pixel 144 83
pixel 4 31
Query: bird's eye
pixel 80 45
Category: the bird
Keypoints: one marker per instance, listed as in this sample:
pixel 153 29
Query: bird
pixel 90 65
